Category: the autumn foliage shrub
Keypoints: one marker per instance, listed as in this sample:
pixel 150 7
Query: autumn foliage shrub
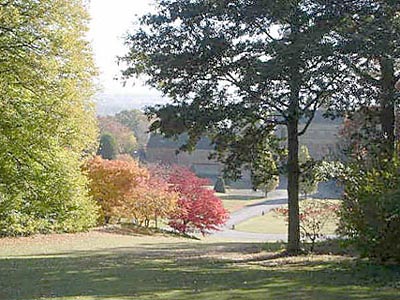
pixel 314 215
pixel 112 183
pixel 151 200
pixel 199 210
pixel 124 189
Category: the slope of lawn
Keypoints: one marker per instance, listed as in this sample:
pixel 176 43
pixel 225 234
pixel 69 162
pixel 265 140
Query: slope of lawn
pixel 119 265
pixel 272 224
pixel 235 200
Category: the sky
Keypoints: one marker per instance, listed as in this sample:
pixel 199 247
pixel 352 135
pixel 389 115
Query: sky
pixel 110 20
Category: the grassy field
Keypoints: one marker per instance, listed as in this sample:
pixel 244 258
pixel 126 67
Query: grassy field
pixel 118 265
pixel 270 223
pixel 234 202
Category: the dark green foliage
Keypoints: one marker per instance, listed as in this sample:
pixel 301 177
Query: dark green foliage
pixel 308 179
pixel 107 147
pixel 219 186
pixel 228 67
pixel 371 209
pixel 369 41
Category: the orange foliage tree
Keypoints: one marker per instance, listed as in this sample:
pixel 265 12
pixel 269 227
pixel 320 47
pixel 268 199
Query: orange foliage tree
pixel 112 182
pixel 151 200
pixel 125 190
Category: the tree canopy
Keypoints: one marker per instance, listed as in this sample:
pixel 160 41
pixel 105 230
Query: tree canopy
pixel 369 39
pixel 47 122
pixel 124 137
pixel 227 65
pixel 136 121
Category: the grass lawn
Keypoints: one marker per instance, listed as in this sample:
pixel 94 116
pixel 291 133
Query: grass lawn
pixel 270 223
pixel 118 265
pixel 234 202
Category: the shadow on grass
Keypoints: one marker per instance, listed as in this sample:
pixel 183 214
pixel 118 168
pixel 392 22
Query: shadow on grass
pixel 183 271
pixel 135 230
pixel 270 202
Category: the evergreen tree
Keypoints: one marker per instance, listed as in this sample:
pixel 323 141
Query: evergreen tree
pixel 108 146
pixel 308 181
pixel 230 65
pixel 219 186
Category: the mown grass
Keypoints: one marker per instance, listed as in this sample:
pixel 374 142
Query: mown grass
pixel 271 223
pixel 234 202
pixel 108 266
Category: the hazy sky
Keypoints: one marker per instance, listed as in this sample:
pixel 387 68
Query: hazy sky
pixel 110 21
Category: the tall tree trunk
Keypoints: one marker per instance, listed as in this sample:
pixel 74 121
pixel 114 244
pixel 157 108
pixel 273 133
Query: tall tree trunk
pixel 293 150
pixel 387 110
pixel 293 185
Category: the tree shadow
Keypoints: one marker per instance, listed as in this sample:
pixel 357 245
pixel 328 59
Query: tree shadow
pixel 187 270
pixel 270 202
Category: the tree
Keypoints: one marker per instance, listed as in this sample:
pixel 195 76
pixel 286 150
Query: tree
pixel 264 170
pixel 47 120
pixel 112 184
pixel 314 215
pixel 219 185
pixel 228 65
pixel 152 200
pixel 124 137
pixel 107 147
pixel 271 185
pixel 262 156
pixel 360 134
pixel 198 208
pixel 136 121
pixel 370 36
pixel 308 181
pixel 124 189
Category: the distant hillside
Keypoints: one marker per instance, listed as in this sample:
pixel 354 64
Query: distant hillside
pixel 110 104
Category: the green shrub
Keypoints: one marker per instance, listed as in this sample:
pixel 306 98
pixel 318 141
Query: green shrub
pixel 370 215
pixel 271 184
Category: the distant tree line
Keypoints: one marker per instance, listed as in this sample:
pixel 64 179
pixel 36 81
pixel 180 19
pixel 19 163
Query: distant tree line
pixel 125 133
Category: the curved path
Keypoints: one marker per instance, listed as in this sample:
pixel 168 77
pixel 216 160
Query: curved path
pixel 274 200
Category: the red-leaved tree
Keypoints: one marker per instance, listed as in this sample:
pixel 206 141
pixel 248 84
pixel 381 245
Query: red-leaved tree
pixel 198 208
